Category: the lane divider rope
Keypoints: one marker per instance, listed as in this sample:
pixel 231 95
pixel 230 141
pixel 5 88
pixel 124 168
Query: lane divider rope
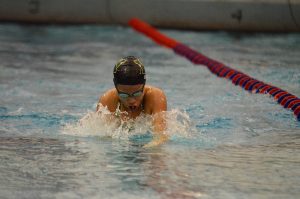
pixel 248 83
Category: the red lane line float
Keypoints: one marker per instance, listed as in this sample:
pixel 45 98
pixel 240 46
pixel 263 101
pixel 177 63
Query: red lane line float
pixel 284 98
pixel 297 111
pixel 293 103
pixel 151 32
pixel 249 85
pixel 277 96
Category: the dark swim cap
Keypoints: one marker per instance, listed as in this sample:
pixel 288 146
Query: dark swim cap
pixel 129 71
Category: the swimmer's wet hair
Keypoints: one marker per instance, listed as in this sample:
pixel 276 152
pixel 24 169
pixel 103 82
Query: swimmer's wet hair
pixel 129 71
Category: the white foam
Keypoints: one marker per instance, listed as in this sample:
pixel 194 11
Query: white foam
pixel 99 124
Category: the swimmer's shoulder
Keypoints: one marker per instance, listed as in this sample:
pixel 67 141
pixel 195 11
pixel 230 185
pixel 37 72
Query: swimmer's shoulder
pixel 109 99
pixel 155 99
pixel 153 91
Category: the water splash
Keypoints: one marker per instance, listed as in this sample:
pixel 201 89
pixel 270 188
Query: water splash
pixel 102 124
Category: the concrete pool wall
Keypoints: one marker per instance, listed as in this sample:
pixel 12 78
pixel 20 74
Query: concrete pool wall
pixel 236 15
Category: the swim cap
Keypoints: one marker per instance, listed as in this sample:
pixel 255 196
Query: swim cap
pixel 129 71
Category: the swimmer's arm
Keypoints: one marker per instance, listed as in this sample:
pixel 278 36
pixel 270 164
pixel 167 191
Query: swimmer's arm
pixel 103 101
pixel 159 120
pixel 100 103
pixel 159 128
pixel 106 100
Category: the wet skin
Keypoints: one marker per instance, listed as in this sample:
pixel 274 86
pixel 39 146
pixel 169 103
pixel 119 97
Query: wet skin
pixel 152 101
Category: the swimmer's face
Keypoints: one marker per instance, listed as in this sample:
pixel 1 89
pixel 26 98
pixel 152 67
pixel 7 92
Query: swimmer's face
pixel 131 96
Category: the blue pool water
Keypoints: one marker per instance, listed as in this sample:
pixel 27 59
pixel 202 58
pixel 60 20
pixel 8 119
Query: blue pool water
pixel 225 142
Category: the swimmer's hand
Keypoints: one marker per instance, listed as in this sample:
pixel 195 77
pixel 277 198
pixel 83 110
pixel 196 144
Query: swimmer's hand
pixel 158 139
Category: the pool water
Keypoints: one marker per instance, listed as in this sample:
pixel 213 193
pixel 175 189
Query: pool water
pixel 224 142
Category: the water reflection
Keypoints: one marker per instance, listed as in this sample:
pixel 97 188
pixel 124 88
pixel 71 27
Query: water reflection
pixel 32 166
pixel 141 170
pixel 90 167
pixel 266 166
pixel 60 71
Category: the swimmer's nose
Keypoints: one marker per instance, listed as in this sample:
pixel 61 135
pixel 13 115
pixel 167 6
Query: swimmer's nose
pixel 131 100
pixel 133 103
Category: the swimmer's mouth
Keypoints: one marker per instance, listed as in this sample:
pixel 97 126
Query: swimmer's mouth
pixel 132 108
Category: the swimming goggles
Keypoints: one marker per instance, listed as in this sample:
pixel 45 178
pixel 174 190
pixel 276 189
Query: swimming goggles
pixel 127 95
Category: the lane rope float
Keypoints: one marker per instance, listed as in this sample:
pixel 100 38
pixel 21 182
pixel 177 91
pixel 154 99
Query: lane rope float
pixel 284 98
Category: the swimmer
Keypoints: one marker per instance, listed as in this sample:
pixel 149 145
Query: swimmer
pixel 131 97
